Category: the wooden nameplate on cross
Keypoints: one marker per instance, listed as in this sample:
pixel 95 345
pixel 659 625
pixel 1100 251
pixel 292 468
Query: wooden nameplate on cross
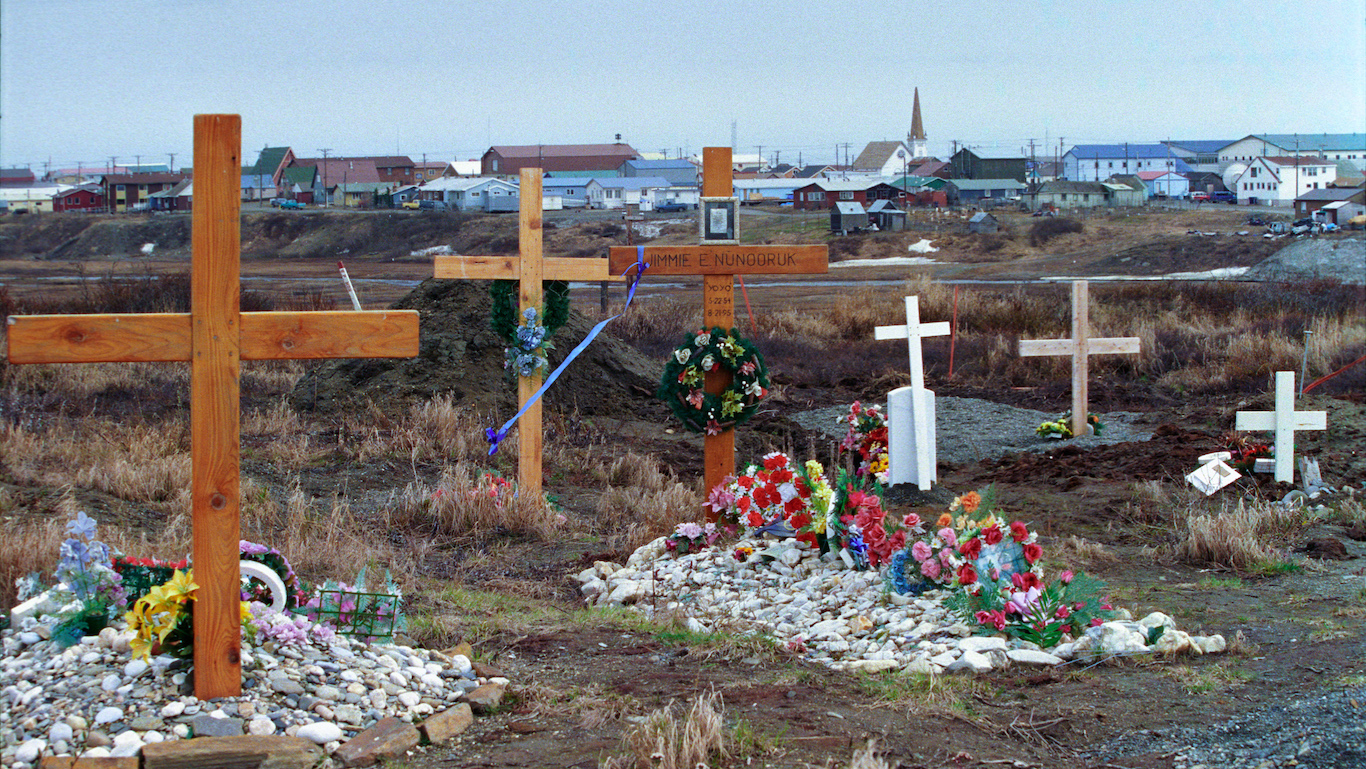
pixel 718 265
pixel 215 336
pixel 528 269
pixel 1081 346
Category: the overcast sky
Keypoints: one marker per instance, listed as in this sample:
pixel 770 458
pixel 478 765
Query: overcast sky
pixel 83 80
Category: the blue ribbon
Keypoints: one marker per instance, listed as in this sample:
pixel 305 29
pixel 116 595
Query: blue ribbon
pixel 496 436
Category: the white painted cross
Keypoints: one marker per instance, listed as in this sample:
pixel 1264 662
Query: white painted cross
pixel 1285 420
pixel 1081 346
pixel 911 453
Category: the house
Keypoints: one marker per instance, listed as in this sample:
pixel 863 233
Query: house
pixel 1094 162
pixel 84 197
pixel 1202 155
pixel 886 216
pixel 16 177
pixel 1204 181
pixel 334 171
pixel 177 198
pixel 884 159
pixel 983 222
pixel 393 169
pixel 301 183
pixel 271 164
pixel 425 172
pixel 681 172
pixel 572 191
pixel 814 171
pixel 256 186
pixel 972 190
pixel 31 200
pixel 923 190
pixel 1279 181
pixel 1125 190
pixel 1068 194
pixel 510 160
pixel 754 191
pixel 1040 171
pixel 475 193
pixel 676 194
pixel 987 164
pixel 359 194
pixel 825 193
pixel 940 168
pixel 848 216
pixel 621 191
pixel 405 194
pixel 1323 198
pixel 1165 184
pixel 1335 147
pixel 128 192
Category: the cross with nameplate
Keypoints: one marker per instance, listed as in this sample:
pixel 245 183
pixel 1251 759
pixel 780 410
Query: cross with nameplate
pixel 1080 347
pixel 1284 421
pixel 528 269
pixel 910 410
pixel 214 337
pixel 718 265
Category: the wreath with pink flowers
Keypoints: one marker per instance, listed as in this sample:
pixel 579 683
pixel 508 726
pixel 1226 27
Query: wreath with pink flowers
pixel 685 375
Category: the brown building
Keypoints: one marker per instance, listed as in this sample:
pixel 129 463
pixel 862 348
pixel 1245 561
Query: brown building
pixel 510 160
pixel 87 197
pixel 126 192
pixel 825 193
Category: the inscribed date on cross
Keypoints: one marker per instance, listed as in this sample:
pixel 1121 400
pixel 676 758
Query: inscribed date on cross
pixel 724 260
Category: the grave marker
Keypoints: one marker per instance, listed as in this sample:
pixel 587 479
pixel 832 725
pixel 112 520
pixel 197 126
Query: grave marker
pixel 1284 421
pixel 215 336
pixel 1081 346
pixel 910 410
pixel 528 269
pixel 718 265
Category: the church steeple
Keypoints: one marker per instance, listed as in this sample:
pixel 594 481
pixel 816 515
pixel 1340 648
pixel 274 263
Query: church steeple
pixel 916 137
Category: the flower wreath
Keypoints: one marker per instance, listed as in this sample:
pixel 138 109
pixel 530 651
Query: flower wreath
pixel 528 340
pixel 685 373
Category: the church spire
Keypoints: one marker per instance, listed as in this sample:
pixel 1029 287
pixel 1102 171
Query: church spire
pixel 917 135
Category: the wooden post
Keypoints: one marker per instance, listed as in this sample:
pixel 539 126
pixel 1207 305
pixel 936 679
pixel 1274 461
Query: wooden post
pixel 214 337
pixel 529 269
pixel 1081 346
pixel 718 309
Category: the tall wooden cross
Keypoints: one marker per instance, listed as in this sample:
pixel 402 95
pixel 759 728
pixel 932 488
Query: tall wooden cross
pixel 1285 420
pixel 215 336
pixel 718 265
pixel 913 332
pixel 529 269
pixel 1081 346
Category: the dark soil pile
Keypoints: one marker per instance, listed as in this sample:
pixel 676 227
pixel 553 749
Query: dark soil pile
pixel 460 354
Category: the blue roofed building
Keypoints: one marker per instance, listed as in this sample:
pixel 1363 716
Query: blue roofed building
pixel 1338 148
pixel 677 171
pixel 1098 162
pixel 1202 155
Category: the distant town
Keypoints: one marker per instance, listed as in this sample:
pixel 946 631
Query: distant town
pixel 1320 174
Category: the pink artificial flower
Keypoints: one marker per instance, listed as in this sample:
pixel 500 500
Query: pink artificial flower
pixel 930 568
pixel 1066 576
pixel 920 552
pixel 1062 612
pixel 948 537
pixel 713 428
pixel 696 398
pixel 1095 622
pixel 911 521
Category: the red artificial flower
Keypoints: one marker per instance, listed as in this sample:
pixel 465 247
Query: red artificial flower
pixel 966 574
pixel 754 519
pixel 774 462
pixel 742 504
pixel 1095 622
pixel 1018 532
pixel 993 535
pixel 799 520
pixel 874 534
pixel 898 540
pixel 1025 580
pixel 970 548
pixel 910 521
pixel 1066 628
pixel 1032 552
pixel 745 482
pixel 809 537
pixel 1062 612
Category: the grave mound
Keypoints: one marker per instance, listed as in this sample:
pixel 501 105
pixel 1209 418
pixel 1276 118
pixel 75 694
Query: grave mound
pixel 460 354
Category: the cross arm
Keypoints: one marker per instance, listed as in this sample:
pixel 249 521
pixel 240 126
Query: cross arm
pixel 147 337
pixel 510 268
pixel 938 328
pixel 1266 420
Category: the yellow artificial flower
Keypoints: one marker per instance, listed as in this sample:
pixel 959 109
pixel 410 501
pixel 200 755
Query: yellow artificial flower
pixel 181 586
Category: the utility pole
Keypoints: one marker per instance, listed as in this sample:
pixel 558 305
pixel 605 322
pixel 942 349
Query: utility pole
pixel 1058 157
pixel 761 158
pixel 172 164
pixel 324 152
pixel 139 164
pixel 777 156
pixel 113 161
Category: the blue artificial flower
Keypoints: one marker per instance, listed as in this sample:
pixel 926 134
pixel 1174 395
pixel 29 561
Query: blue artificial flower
pixel 83 526
pixel 529 313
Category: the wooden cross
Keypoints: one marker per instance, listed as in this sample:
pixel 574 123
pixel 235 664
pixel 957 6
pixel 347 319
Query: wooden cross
pixel 1081 346
pixel 528 269
pixel 914 404
pixel 215 336
pixel 718 265
pixel 1285 420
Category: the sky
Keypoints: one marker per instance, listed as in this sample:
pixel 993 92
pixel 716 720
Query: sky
pixel 84 80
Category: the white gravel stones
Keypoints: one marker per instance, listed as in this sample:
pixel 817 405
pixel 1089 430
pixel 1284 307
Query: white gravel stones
pixel 846 619
pixel 320 732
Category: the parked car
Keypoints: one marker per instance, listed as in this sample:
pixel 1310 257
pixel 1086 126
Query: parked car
pixel 432 205
pixel 291 204
pixel 671 206
pixel 1223 196
pixel 1200 197
pixel 410 205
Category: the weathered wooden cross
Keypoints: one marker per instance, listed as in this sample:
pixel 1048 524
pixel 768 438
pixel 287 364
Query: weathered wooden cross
pixel 718 265
pixel 528 269
pixel 1081 346
pixel 1285 420
pixel 215 336
pixel 911 454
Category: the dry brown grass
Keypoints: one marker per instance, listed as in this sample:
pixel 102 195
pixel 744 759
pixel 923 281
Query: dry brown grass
pixel 630 517
pixel 667 741
pixel 1248 537
pixel 457 507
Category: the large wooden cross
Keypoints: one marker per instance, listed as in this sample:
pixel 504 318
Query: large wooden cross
pixel 718 265
pixel 528 269
pixel 215 336
pixel 913 331
pixel 1285 420
pixel 1081 346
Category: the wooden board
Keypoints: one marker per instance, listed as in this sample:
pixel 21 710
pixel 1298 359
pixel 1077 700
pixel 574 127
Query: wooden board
pixel 724 260
pixel 510 268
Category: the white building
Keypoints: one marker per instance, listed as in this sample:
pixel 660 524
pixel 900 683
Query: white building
pixel 1098 162
pixel 879 159
pixel 1277 181
pixel 618 192
pixel 1334 147
pixel 477 193
pixel 1165 184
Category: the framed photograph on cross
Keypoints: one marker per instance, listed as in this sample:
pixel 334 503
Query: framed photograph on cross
pixel 719 222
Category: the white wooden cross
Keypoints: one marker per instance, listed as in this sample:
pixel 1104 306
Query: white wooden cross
pixel 1285 420
pixel 911 450
pixel 1081 346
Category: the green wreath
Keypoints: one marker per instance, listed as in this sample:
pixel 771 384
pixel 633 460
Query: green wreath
pixel 505 319
pixel 685 374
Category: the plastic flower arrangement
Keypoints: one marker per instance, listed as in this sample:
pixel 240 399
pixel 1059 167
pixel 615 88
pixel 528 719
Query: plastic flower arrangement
pixel 530 343
pixel 87 581
pixel 139 575
pixel 867 436
pixel 781 498
pixel 1061 428
pixel 353 611
pixel 1246 451
pixel 163 620
pixel 255 590
pixel 1024 607
pixel 692 538
pixel 968 541
pixel 284 629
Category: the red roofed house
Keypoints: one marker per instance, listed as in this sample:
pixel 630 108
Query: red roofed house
pixel 128 192
pixel 86 197
pixel 510 160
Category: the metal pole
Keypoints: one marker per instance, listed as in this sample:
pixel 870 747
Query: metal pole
pixel 1304 361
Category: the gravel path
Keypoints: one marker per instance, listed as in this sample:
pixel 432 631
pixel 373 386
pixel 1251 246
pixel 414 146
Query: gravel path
pixel 969 430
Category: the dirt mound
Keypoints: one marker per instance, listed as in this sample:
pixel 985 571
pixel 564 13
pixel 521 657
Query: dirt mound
pixel 460 354
pixel 1316 259
pixel 1185 253
pixel 1170 453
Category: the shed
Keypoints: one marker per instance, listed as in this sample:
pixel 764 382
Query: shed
pixel 848 216
pixel 886 216
pixel 983 222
